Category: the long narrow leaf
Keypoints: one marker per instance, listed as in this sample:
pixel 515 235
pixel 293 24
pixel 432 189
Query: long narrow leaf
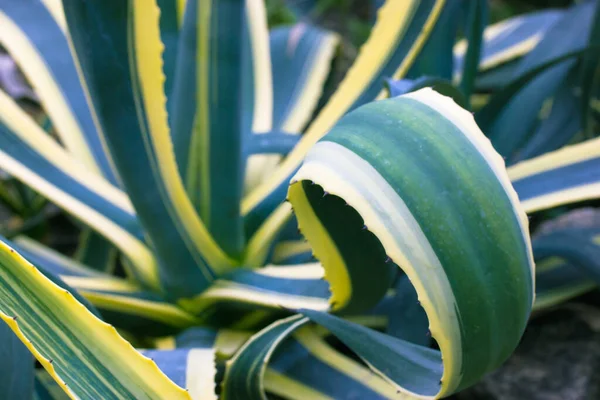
pixel 127 48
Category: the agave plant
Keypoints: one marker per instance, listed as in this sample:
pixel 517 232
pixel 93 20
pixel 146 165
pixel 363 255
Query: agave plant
pixel 186 138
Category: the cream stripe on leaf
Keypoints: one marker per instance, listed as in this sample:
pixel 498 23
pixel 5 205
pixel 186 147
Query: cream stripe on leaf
pixel 292 252
pixel 564 41
pixel 87 363
pixel 169 35
pixel 301 59
pixel 212 166
pixel 122 303
pixel 509 39
pixel 286 387
pixel 193 369
pixel 414 182
pixel 306 361
pixel 398 36
pixel 293 287
pixel 576 246
pixel 127 48
pixel 476 19
pixel 34 158
pixel 557 126
pixel 435 58
pixel 559 283
pixel 563 176
pixel 36 38
pixel 504 44
pixel 220 63
pixel 257 88
pixel 39 46
pixel 566 35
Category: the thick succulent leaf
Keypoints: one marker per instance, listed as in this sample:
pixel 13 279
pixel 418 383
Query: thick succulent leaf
pixel 16 368
pixel 580 247
pixel 193 369
pixel 300 61
pixel 33 157
pixel 126 45
pixel 509 39
pixel 244 372
pixel 557 126
pixel 272 142
pixel 33 33
pixel 297 363
pixel 406 319
pixel 566 35
pixel 96 252
pixel 442 86
pixel 475 22
pixel 262 241
pixel 121 303
pixel 54 265
pixel 496 78
pixel 169 36
pixel 292 252
pixel 401 30
pixel 270 288
pixel 589 75
pixel 564 176
pixel 301 58
pixel 401 180
pixel 509 137
pixel 557 280
pixel 47 388
pixel 435 59
pixel 217 38
pixel 567 38
pixel 88 363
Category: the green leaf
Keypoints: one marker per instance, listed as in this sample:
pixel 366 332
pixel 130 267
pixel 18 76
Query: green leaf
pixel 506 136
pixel 88 362
pixel 579 247
pixel 442 86
pixel 300 60
pixel 557 281
pixel 436 58
pixel 563 176
pixel 127 47
pixel 169 36
pixel 208 132
pixel 397 38
pixel 34 34
pixel 272 143
pixel 476 20
pixel 46 388
pixel 96 252
pixel 270 288
pixel 558 126
pixel 510 39
pixel 563 41
pixel 35 158
pixel 589 74
pixel 564 36
pixel 431 196
pixel 16 368
pixel 292 360
pixel 121 303
pixel 193 369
